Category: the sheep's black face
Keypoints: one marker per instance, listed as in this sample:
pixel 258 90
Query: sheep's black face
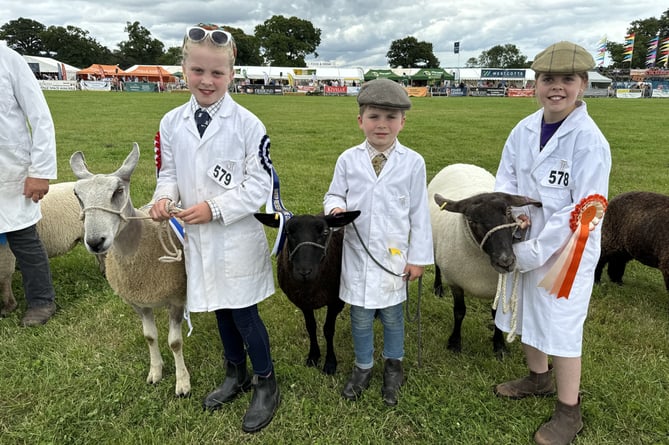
pixel 306 241
pixel 486 214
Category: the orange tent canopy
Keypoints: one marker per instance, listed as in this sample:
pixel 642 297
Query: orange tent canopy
pixel 152 73
pixel 101 70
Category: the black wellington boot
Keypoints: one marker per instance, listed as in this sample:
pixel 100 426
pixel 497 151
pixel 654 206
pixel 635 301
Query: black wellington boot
pixel 393 378
pixel 263 405
pixel 237 381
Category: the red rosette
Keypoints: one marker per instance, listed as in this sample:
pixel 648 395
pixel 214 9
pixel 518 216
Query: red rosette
pixel 156 150
pixel 583 219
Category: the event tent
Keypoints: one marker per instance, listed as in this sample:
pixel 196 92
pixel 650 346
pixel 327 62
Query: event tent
pixel 100 71
pixel 150 73
pixel 381 73
pixel 51 67
pixel 432 74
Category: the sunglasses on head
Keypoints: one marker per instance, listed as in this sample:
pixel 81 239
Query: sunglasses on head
pixel 218 36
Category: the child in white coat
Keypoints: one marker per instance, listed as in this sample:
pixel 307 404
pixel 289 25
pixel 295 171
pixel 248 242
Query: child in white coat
pixel 557 156
pixel 215 163
pixel 387 182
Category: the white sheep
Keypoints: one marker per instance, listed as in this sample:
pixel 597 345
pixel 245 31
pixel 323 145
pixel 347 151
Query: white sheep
pixel 60 229
pixel 472 234
pixel 132 244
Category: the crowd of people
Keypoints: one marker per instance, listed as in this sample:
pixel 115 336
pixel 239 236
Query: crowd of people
pixel 215 166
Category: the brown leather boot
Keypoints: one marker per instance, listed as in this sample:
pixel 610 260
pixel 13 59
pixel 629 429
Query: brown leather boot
pixel 565 424
pixel 531 385
pixel 393 378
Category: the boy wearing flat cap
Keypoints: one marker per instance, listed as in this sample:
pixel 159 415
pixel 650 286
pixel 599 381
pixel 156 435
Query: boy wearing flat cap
pixel 557 156
pixel 387 182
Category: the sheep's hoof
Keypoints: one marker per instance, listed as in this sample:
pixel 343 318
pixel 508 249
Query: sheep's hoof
pixel 312 362
pixel 500 352
pixel 454 346
pixel 330 368
pixel 8 308
pixel 155 375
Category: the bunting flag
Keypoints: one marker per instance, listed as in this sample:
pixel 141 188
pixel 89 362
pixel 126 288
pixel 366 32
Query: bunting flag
pixel 585 216
pixel 652 51
pixel 664 52
pixel 629 48
pixel 601 51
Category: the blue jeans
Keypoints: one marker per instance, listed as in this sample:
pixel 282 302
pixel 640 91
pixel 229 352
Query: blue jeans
pixel 362 323
pixel 242 331
pixel 33 262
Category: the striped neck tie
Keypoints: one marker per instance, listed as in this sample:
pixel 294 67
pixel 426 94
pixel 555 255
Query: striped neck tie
pixel 202 120
pixel 378 162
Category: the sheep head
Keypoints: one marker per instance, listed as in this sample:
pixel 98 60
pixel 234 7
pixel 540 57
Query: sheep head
pixel 484 213
pixel 307 240
pixel 104 200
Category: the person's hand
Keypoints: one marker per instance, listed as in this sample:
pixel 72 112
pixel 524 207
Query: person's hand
pixel 35 188
pixel 160 211
pixel 198 214
pixel 412 272
pixel 336 211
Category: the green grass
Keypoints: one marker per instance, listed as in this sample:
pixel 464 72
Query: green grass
pixel 80 379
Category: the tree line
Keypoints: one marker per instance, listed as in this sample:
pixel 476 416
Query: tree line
pixel 279 41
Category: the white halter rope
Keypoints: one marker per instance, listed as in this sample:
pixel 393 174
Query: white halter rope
pixel 508 303
pixel 174 254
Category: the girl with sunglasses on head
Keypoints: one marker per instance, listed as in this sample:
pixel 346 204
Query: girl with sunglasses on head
pixel 215 165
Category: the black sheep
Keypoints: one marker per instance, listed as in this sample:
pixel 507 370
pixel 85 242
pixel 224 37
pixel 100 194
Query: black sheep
pixel 308 270
pixel 634 228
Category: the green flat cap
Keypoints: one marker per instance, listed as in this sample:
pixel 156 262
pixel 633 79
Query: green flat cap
pixel 384 93
pixel 563 58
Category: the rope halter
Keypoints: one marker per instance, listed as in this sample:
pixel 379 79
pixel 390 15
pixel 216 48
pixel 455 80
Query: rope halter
pixel 323 246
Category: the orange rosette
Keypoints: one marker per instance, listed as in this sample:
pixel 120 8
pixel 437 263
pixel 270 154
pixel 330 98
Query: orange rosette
pixel 585 216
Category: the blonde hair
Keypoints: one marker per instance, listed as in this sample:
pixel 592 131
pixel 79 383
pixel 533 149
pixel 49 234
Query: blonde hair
pixel 229 50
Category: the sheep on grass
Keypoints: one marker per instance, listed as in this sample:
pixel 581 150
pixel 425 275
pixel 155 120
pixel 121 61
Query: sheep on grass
pixel 634 228
pixel 472 231
pixel 60 230
pixel 308 271
pixel 131 242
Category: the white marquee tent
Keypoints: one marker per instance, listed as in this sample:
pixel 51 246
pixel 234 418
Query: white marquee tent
pixel 52 67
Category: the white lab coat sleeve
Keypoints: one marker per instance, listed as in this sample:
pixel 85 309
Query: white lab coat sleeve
pixel 166 184
pixel 421 251
pixel 338 190
pixel 505 179
pixel 29 95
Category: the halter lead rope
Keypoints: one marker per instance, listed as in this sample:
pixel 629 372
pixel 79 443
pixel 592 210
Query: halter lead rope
pixel 416 317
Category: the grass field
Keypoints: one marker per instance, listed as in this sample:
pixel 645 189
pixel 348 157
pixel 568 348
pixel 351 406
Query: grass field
pixel 80 379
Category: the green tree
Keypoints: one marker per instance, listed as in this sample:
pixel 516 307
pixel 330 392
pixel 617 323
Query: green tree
pixel 410 53
pixel 286 41
pixel 171 57
pixel 74 46
pixel 643 30
pixel 24 36
pixel 248 47
pixel 472 62
pixel 140 48
pixel 503 56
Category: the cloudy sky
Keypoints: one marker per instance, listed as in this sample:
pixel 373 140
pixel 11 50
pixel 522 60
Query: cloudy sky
pixel 359 33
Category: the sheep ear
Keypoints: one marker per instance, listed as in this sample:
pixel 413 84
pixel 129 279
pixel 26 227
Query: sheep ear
pixel 341 219
pixel 78 165
pixel 268 219
pixel 446 204
pixel 520 201
pixel 125 171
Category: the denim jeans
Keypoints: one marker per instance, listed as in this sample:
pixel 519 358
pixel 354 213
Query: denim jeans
pixel 362 330
pixel 242 331
pixel 32 259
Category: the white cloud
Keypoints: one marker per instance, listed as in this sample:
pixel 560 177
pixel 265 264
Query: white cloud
pixel 357 33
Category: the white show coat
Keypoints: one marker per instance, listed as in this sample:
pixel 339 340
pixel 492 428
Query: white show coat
pixel 227 260
pixel 22 153
pixel 395 215
pixel 574 164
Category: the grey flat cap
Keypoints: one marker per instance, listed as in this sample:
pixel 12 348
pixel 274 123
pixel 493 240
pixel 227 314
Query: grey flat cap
pixel 384 93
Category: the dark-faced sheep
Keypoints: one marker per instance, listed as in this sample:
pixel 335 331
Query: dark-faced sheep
pixel 472 233
pixel 308 270
pixel 634 229
pixel 132 243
